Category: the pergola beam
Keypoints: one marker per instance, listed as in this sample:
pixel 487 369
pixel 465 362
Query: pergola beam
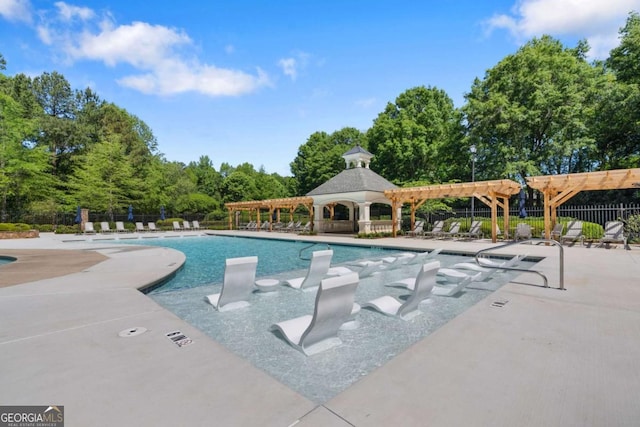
pixel 489 192
pixel 558 189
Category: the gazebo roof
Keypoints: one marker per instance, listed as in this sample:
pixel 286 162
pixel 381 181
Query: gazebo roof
pixel 353 180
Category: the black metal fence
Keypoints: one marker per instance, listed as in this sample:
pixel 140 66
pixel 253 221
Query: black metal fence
pixel 598 214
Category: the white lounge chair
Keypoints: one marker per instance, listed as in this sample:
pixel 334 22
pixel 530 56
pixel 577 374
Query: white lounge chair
pixel 333 308
pixel 574 232
pixel 120 227
pixel 613 233
pixel 455 275
pixel 421 257
pixel 523 231
pixel 195 225
pixel 418 229
pixel 474 231
pixel 140 227
pixel 437 229
pixel 237 285
pixel 176 226
pixel 450 291
pixel 318 269
pixel 152 226
pixel 186 226
pixel 454 230
pixel 424 283
pixel 88 228
pixel 104 227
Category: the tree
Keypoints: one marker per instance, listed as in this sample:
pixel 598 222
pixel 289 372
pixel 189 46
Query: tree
pixel 624 60
pixel 23 170
pixel 208 180
pixel 530 114
pixel 106 180
pixel 320 158
pixel 239 186
pixel 408 137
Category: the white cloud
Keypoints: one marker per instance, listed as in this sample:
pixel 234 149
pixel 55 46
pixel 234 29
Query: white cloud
pixel 293 65
pixel 289 67
pixel 366 102
pixel 68 12
pixel 596 20
pixel 157 53
pixel 15 10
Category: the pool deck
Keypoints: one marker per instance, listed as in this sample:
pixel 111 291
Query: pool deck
pixel 546 357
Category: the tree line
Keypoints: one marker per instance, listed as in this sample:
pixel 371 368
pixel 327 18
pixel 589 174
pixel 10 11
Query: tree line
pixel 542 110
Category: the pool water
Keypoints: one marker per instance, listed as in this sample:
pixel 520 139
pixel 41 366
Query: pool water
pixel 206 257
pixel 246 332
pixel 4 261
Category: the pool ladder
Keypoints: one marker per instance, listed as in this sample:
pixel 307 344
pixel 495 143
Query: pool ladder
pixel 525 270
pixel 308 247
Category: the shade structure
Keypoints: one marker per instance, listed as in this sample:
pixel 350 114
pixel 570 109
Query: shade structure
pixel 522 213
pixel 78 218
pixel 162 213
pixel 130 215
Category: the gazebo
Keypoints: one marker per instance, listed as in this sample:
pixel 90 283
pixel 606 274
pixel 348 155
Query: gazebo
pixel 357 188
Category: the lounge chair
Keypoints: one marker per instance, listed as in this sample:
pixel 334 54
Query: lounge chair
pixel 421 257
pixel 186 226
pixel 474 231
pixel 333 307
pixel 120 227
pixel 456 274
pixel 454 230
pixel 556 232
pixel 523 231
pixel 305 229
pixel 436 230
pixel 237 285
pixel 453 290
pixel 176 226
pixel 195 225
pixel 88 228
pixel 424 283
pixel 318 269
pixel 104 227
pixel 152 226
pixel 574 232
pixel 418 229
pixel 613 233
pixel 265 226
pixel 140 227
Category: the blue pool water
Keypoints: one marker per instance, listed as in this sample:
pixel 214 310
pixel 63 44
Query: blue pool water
pixel 206 257
pixel 246 333
pixel 4 261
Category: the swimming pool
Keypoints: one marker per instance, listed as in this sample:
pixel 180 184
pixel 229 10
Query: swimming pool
pixel 246 333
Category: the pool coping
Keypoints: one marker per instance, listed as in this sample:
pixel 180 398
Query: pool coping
pixel 60 344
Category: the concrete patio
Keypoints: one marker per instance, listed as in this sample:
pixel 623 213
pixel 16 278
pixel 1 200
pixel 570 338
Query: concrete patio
pixel 546 357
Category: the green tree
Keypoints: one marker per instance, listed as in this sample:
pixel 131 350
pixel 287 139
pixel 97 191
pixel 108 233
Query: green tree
pixel 320 158
pixel 239 186
pixel 625 59
pixel 410 136
pixel 530 114
pixel 23 170
pixel 208 180
pixel 106 180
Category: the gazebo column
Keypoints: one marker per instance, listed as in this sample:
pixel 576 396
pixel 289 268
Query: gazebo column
pixel 317 217
pixel 364 221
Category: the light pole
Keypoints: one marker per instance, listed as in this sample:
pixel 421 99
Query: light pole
pixel 473 150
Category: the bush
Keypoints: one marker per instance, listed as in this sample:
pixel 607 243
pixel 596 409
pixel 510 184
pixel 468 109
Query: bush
pixel 6 226
pixel 67 229
pixel 43 228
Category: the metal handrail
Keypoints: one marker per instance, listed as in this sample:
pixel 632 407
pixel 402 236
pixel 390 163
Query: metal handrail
pixel 546 281
pixel 310 246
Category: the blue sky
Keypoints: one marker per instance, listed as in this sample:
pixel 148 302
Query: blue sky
pixel 250 81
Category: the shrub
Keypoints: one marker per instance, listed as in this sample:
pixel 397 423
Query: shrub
pixel 6 226
pixel 43 228
pixel 67 229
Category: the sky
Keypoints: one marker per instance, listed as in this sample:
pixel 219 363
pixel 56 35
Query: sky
pixel 250 81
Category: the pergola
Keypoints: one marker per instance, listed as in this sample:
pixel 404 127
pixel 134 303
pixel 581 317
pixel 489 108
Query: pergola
pixel 290 203
pixel 558 189
pixel 492 193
